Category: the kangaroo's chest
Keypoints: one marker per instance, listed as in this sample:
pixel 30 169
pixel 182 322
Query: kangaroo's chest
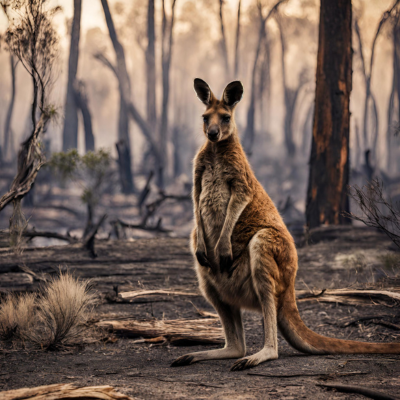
pixel 214 199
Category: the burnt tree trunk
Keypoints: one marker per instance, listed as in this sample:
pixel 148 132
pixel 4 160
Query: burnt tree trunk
pixel 70 130
pixel 121 73
pixel 82 103
pixel 329 160
pixel 7 125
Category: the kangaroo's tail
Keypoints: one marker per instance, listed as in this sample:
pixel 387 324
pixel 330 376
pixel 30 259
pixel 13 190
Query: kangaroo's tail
pixel 305 340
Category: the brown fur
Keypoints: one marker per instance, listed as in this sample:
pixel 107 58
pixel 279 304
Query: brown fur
pixel 245 255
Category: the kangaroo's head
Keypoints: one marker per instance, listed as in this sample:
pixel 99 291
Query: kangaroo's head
pixel 219 122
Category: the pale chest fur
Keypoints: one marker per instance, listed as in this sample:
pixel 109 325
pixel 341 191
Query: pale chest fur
pixel 214 199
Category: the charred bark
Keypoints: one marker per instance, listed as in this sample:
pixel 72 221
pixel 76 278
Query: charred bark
pixel 82 102
pixel 329 160
pixel 70 130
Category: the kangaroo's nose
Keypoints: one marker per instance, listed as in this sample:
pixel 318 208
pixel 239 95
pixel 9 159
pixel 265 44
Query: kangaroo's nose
pixel 213 133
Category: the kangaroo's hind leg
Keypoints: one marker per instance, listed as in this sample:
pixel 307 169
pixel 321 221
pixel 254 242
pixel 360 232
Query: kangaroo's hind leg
pixel 263 270
pixel 231 320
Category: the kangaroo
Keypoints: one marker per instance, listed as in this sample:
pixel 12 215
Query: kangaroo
pixel 245 257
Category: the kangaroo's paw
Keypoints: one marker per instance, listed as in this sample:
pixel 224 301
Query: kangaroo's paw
pixel 183 360
pixel 252 361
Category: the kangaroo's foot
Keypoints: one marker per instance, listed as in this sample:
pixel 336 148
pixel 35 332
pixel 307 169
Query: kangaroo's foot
pixel 220 354
pixel 266 354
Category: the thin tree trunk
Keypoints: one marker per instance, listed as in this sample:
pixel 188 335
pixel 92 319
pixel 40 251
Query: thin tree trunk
pixel 329 160
pixel 368 95
pixel 289 96
pixel 70 130
pixel 236 62
pixel 389 132
pixel 385 17
pixel 7 125
pixel 124 84
pixel 151 68
pixel 397 71
pixel 307 130
pixel 167 43
pixel 82 103
pixel 248 137
pixel 223 41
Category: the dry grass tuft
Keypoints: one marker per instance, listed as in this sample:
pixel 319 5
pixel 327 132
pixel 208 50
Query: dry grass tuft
pixel 63 311
pixel 52 320
pixel 17 316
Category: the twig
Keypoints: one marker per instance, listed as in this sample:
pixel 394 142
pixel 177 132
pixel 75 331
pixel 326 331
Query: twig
pixel 308 374
pixel 371 393
pixel 374 319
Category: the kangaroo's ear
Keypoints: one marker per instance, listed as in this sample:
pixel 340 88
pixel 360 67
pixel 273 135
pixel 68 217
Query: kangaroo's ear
pixel 203 91
pixel 233 93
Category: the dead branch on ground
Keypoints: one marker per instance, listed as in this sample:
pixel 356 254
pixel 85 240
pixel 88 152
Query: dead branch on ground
pixel 377 212
pixel 64 391
pixel 144 293
pixel 177 332
pixel 321 374
pixel 367 392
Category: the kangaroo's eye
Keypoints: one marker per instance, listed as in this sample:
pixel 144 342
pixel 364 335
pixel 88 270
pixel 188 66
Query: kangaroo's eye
pixel 205 120
pixel 226 119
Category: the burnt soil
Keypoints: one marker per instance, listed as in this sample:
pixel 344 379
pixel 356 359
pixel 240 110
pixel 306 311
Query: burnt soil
pixel 330 258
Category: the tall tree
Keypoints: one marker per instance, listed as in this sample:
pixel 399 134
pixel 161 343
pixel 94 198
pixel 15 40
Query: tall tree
pixel 166 54
pixel 395 90
pixel 224 46
pixel 7 126
pixel 151 68
pixel 236 59
pixel 329 160
pixel 248 138
pixel 33 40
pixel 385 17
pixel 290 95
pixel 124 84
pixel 70 130
pixel 368 93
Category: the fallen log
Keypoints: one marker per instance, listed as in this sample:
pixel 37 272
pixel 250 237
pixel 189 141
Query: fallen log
pixel 177 332
pixel 350 296
pixel 64 391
